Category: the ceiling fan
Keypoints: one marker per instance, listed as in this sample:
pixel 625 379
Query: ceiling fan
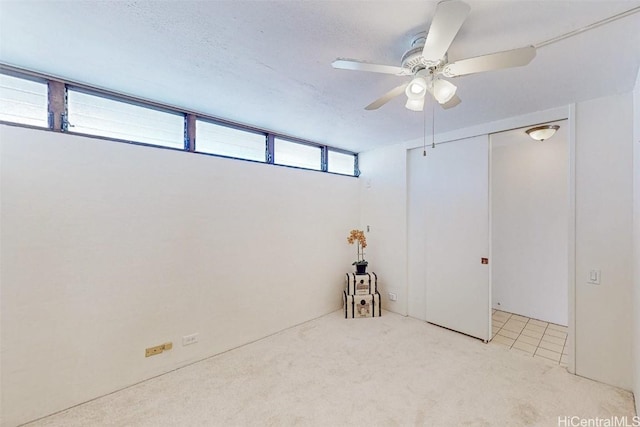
pixel 427 61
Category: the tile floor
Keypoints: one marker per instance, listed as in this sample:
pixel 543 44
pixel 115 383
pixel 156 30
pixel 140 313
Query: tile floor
pixel 534 337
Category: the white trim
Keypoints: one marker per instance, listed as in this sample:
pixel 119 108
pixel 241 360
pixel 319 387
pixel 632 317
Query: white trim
pixel 405 312
pixel 489 235
pixel 571 336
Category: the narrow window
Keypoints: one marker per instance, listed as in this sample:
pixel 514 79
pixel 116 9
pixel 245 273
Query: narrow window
pixel 231 142
pixel 295 154
pixel 341 163
pixel 23 101
pixel 101 116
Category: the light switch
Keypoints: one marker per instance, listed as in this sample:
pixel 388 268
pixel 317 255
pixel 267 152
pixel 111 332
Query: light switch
pixel 594 277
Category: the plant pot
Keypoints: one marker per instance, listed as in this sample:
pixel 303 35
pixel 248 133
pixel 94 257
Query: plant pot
pixel 361 268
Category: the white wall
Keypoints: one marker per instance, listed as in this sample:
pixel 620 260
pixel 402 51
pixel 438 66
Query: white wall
pixel 110 248
pixel 636 239
pixel 530 213
pixel 604 203
pixel 383 207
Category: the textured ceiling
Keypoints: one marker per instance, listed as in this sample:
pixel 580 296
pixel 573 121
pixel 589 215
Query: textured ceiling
pixel 267 63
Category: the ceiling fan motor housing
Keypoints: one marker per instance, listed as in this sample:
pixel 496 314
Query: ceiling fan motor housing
pixel 413 61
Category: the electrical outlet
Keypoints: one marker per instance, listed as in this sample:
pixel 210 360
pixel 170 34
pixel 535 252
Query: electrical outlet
pixel 152 351
pixel 393 296
pixel 189 339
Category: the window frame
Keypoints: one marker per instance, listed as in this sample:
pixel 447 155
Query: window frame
pixel 124 100
pixel 230 126
pixel 36 79
pixel 57 118
pixel 355 161
pixel 322 163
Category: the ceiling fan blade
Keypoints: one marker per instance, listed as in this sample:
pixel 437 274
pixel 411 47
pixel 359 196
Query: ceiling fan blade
pixel 449 17
pixel 494 61
pixel 387 97
pixel 451 103
pixel 355 65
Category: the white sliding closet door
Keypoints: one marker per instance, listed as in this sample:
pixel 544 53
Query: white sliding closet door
pixel 450 200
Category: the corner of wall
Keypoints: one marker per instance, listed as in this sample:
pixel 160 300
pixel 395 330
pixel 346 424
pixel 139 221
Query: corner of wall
pixel 383 208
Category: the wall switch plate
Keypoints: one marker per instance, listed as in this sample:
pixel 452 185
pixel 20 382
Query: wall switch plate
pixel 393 296
pixel 594 277
pixel 189 339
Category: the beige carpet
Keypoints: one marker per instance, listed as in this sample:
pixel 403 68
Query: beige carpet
pixel 388 371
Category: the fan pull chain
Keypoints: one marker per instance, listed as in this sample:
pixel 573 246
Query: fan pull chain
pixel 433 125
pixel 424 133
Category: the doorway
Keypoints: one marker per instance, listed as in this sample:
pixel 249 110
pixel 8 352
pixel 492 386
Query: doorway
pixel 529 188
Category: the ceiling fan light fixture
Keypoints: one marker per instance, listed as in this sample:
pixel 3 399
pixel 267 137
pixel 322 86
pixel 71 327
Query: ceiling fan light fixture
pixel 443 90
pixel 416 88
pixel 416 104
pixel 540 133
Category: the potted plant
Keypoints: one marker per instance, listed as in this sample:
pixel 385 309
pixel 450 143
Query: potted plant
pixel 358 237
